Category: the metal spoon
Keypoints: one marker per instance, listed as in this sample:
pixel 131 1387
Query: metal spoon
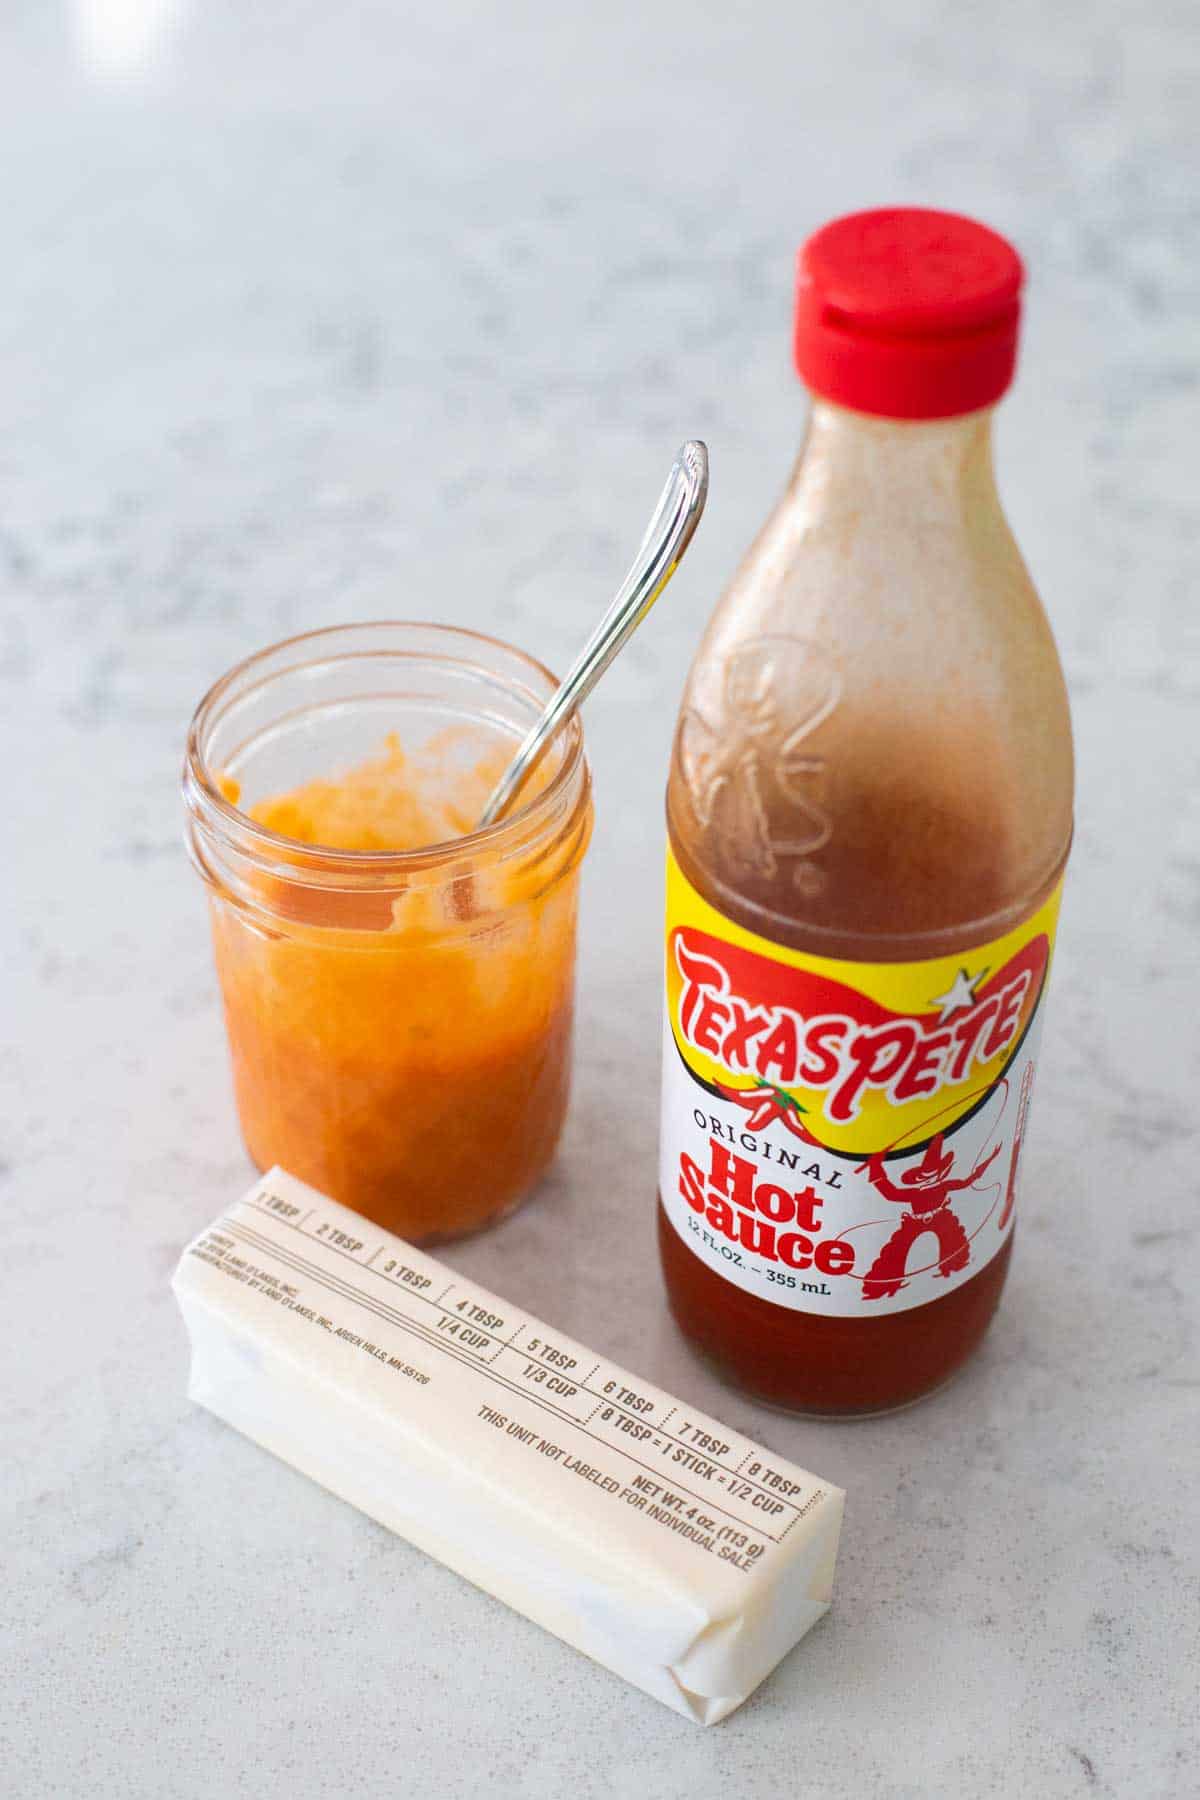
pixel 668 535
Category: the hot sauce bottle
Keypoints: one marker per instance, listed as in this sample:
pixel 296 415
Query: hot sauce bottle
pixel 869 814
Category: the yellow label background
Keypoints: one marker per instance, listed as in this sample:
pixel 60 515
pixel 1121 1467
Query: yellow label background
pixel 905 988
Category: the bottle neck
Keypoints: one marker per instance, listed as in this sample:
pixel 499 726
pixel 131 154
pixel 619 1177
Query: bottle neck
pixel 902 468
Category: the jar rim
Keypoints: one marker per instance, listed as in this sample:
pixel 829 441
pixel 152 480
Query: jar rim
pixel 206 801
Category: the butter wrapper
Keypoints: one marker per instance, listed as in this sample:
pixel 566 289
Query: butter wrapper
pixel 642 1532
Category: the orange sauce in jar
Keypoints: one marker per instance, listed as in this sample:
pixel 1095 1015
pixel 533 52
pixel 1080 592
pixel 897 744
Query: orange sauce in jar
pixel 401 1038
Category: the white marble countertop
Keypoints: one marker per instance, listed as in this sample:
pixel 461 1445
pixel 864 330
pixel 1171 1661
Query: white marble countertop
pixel 310 313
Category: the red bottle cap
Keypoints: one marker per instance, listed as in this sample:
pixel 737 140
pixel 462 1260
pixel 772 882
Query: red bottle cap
pixel 908 313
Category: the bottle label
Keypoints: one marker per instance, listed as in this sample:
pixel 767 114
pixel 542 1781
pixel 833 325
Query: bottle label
pixel 843 1137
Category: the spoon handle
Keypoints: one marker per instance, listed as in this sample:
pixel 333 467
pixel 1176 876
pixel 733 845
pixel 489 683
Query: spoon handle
pixel 668 535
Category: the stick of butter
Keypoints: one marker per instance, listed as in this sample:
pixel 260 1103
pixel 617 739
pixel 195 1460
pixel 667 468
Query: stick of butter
pixel 675 1552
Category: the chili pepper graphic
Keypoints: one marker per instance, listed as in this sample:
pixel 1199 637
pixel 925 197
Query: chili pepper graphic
pixel 765 1106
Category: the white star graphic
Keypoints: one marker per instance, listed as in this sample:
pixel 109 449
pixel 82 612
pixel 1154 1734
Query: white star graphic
pixel 958 996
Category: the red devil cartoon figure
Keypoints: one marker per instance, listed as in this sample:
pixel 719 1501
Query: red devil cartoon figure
pixel 925 1189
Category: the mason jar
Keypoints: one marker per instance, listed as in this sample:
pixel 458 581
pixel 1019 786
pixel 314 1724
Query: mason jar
pixel 399 1021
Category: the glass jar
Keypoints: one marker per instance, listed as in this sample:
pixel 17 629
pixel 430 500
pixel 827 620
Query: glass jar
pixel 399 1021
